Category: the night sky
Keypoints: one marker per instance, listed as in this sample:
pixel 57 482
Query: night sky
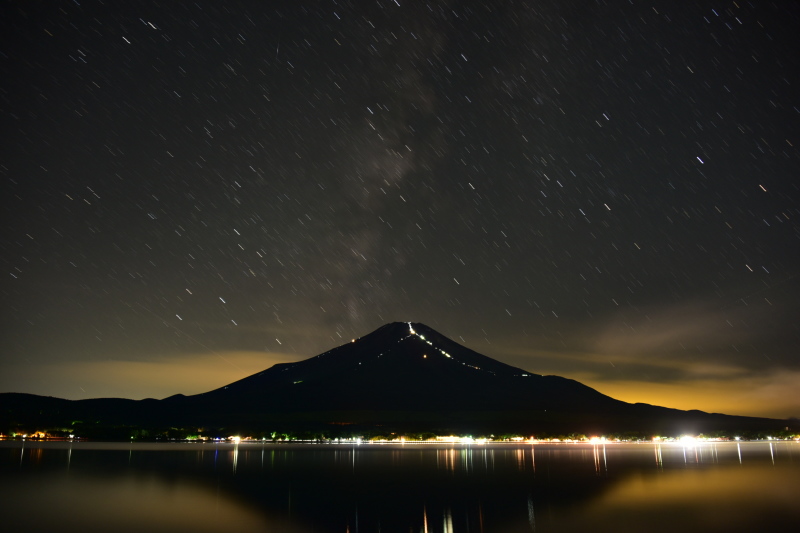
pixel 607 191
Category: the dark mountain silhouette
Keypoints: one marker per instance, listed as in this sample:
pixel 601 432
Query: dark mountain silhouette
pixel 403 376
pixel 401 367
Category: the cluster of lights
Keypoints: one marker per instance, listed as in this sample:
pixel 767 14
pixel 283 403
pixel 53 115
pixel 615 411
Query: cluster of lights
pixel 689 440
pixel 461 440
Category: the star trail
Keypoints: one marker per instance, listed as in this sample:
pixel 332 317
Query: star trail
pixel 605 190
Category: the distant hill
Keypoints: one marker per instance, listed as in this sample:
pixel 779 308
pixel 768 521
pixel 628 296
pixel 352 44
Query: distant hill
pixel 402 376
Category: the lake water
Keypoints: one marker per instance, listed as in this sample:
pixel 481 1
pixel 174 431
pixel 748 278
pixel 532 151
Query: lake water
pixel 88 486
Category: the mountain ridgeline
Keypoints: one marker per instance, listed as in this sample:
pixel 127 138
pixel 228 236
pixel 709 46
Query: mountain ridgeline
pixel 401 377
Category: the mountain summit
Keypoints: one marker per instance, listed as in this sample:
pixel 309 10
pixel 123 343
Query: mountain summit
pixel 403 376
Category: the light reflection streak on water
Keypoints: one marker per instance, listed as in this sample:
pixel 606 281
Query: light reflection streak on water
pixel 448 521
pixel 659 458
pixel 531 515
pixel 446 460
pixel 771 454
pixel 467 459
pixel 235 456
pixel 739 451
pixel 596 450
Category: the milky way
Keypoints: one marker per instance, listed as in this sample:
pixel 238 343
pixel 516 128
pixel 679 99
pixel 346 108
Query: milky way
pixel 606 191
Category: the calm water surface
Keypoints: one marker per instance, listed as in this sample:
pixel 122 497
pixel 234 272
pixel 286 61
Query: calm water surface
pixel 87 486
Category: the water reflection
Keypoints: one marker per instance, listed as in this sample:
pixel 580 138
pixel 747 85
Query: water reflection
pixel 122 503
pixel 235 455
pixel 748 499
pixel 452 488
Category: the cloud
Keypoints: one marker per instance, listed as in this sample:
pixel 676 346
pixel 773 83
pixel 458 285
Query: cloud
pixel 154 378
pixel 673 330
pixel 691 356
pixel 775 394
pixel 698 337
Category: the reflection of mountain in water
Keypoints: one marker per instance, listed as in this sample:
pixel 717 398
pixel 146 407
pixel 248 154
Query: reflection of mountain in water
pixel 403 376
pixel 508 488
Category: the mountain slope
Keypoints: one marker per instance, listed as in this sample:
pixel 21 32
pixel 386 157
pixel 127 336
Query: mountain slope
pixel 404 366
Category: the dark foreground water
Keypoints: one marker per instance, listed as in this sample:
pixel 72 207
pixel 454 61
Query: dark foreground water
pixel 82 486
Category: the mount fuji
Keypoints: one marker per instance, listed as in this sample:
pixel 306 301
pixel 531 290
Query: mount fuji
pixel 403 376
